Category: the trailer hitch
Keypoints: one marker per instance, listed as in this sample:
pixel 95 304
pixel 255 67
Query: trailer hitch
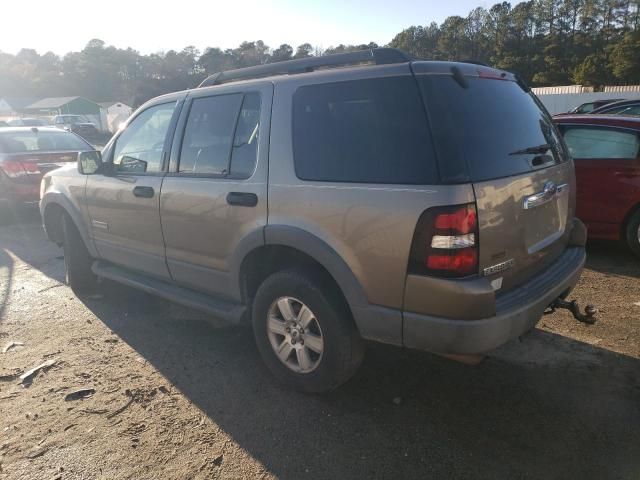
pixel 587 317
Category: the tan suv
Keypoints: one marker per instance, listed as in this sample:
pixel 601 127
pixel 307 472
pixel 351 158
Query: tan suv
pixel 330 200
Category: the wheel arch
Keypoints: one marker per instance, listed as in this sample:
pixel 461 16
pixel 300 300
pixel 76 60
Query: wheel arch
pixel 52 208
pixel 627 218
pixel 288 247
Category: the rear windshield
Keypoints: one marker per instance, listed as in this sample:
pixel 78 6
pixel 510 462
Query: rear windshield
pixel 368 131
pixel 480 129
pixel 28 141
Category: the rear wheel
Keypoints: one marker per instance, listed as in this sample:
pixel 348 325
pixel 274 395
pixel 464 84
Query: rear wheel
pixel 77 261
pixel 633 233
pixel 304 332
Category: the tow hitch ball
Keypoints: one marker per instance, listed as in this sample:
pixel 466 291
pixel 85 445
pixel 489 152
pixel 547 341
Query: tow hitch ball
pixel 587 317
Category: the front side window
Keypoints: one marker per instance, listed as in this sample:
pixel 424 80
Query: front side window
pixel 631 110
pixel 139 148
pixel 366 131
pixel 601 142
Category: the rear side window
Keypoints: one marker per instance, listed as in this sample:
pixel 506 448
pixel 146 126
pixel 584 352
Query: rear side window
pixel 366 131
pixel 594 142
pixel 209 134
pixel 482 130
pixel 244 155
pixel 221 136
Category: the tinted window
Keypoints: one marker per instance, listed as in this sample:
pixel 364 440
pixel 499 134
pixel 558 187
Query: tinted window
pixel 139 148
pixel 615 109
pixel 41 141
pixel 593 142
pixel 208 136
pixel 479 129
pixel 585 108
pixel 631 110
pixel 370 131
pixel 245 144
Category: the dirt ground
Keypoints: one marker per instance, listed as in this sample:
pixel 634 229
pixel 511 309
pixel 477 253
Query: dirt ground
pixel 177 396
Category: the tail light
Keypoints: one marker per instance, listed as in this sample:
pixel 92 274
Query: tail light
pixel 445 242
pixel 14 168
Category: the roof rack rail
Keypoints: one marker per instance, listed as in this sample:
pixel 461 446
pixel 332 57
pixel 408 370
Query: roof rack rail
pixel 375 56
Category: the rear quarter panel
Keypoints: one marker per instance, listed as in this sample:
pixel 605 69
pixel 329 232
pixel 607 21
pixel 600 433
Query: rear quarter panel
pixel 370 226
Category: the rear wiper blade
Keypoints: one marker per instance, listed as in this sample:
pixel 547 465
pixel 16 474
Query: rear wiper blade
pixel 537 149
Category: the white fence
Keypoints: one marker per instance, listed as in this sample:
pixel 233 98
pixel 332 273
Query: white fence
pixel 622 88
pixel 561 90
pixel 563 102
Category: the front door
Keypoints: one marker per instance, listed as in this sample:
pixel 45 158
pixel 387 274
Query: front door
pixel 124 203
pixel 607 170
pixel 215 197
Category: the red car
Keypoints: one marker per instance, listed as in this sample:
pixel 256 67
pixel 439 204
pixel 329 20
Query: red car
pixel 605 149
pixel 26 154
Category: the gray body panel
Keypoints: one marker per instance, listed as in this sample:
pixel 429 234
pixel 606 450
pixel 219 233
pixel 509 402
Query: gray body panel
pixel 202 232
pixel 532 237
pixel 370 226
pixel 125 228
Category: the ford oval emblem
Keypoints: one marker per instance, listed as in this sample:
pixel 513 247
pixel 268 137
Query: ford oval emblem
pixel 550 188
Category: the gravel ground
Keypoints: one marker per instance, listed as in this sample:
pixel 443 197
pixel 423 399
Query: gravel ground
pixel 179 396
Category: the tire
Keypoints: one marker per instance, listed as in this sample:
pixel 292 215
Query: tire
pixel 633 233
pixel 342 348
pixel 77 261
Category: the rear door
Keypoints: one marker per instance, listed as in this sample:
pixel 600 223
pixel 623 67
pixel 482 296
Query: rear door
pixel 607 171
pixel 214 199
pixel 494 134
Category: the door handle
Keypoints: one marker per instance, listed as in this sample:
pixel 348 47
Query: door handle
pixel 242 199
pixel 551 191
pixel 143 192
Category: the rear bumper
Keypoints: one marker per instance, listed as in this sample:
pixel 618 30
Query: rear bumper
pixel 517 312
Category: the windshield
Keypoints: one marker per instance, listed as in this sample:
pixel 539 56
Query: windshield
pixel 72 119
pixel 490 129
pixel 29 141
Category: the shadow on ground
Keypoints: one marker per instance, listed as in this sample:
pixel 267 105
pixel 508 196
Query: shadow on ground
pixel 549 407
pixel 612 258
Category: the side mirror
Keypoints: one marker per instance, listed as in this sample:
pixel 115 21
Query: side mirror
pixel 89 163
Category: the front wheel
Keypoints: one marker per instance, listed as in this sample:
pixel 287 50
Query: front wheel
pixel 633 233
pixel 304 331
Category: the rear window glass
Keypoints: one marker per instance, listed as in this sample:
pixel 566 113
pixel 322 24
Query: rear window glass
pixel 12 142
pixel 366 131
pixel 479 129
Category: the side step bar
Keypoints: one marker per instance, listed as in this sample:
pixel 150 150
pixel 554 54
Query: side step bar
pixel 231 312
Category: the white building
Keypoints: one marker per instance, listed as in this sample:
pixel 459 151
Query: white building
pixel 114 113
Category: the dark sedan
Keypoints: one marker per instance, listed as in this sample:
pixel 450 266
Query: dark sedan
pixel 591 106
pixel 623 107
pixel 606 151
pixel 27 153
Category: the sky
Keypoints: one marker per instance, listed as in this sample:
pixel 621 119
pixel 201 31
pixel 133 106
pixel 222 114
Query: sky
pixel 161 25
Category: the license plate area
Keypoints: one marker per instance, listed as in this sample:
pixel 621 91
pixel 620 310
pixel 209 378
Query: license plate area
pixel 546 220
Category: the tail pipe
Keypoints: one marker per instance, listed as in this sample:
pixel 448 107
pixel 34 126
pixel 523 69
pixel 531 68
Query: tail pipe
pixel 587 317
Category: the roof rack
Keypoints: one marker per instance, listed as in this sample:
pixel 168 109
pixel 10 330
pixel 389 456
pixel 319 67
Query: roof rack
pixel 375 56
